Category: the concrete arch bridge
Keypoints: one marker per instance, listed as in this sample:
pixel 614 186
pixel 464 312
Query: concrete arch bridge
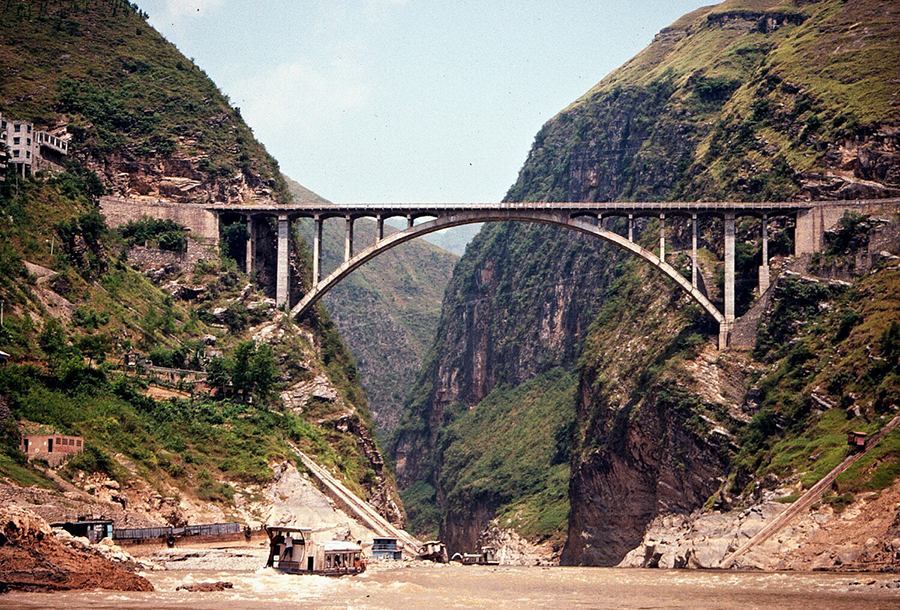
pixel 811 219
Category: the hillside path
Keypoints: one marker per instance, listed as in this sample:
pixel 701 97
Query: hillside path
pixel 807 499
pixel 358 508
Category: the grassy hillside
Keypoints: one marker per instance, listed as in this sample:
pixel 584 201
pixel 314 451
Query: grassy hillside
pixel 127 96
pixel 139 112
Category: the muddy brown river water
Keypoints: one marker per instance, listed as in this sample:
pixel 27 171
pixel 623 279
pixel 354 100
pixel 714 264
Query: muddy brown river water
pixel 429 586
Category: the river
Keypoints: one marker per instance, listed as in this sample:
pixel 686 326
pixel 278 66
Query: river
pixel 414 586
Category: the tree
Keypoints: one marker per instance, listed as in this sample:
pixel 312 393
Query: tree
pixel 263 371
pixel 94 347
pixel 241 377
pixel 217 373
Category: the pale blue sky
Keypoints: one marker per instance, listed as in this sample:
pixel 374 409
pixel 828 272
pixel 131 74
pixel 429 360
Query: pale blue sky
pixel 407 100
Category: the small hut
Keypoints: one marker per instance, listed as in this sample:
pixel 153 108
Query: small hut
pixel 92 529
pixel 46 444
pixel 857 440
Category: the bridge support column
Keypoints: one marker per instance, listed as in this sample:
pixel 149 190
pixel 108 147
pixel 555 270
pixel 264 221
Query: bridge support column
pixel 631 227
pixel 348 239
pixel 251 245
pixel 410 222
pixel 729 267
pixel 694 250
pixel 662 237
pixel 283 268
pixel 317 251
pixel 379 232
pixel 764 268
pixel 725 334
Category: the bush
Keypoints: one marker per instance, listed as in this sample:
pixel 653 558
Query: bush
pixel 168 234
pixel 93 460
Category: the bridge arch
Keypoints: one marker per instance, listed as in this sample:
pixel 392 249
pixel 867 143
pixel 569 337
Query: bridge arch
pixel 581 224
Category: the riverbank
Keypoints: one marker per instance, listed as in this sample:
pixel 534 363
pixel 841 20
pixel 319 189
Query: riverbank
pixel 33 558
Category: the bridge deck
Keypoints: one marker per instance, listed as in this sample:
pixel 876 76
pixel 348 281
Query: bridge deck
pixel 589 207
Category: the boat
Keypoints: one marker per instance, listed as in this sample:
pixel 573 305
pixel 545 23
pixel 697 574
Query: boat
pixel 487 557
pixel 292 550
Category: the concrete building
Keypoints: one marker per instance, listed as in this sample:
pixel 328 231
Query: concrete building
pixel 55 448
pixel 30 150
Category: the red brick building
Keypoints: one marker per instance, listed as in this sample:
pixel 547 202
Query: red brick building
pixel 55 448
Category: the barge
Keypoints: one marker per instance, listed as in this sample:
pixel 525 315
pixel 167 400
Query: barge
pixel 292 550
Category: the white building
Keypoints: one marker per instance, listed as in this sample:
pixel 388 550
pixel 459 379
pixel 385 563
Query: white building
pixel 29 149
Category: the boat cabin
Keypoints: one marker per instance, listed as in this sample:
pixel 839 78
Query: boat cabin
pixel 386 548
pixel 487 557
pixel 433 550
pixel 293 550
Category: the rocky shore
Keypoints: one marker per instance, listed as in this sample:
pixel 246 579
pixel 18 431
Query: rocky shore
pixel 33 558
pixel 864 537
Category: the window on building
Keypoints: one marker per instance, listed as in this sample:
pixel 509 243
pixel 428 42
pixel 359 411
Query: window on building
pixel 27 154
pixel 28 128
pixel 16 140
pixel 28 141
pixel 17 128
pixel 78 442
pixel 15 153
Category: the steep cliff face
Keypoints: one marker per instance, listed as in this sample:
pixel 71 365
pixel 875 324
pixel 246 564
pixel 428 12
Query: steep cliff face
pixel 504 324
pixel 740 101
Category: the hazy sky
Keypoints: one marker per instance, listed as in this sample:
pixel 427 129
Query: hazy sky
pixel 407 100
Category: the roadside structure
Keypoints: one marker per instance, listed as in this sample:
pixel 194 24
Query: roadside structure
pixel 30 150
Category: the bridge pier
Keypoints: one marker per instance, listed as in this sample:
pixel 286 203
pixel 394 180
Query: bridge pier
pixel 251 244
pixel 694 250
pixel 729 269
pixel 764 268
pixel 348 239
pixel 283 269
pixel 379 232
pixel 631 227
pixel 662 237
pixel 317 250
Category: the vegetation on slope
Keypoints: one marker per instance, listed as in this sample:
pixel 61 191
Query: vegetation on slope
pixel 72 328
pixel 387 311
pixel 761 100
pixel 126 94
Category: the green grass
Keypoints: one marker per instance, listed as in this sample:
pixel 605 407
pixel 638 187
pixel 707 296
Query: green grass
pixel 514 447
pixel 126 90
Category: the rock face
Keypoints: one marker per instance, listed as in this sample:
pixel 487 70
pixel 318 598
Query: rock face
pixel 32 559
pixel 652 465
pixel 864 537
pixel 720 106
pixel 490 336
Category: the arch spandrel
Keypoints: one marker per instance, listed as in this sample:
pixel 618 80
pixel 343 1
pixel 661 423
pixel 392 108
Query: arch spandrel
pixel 561 219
